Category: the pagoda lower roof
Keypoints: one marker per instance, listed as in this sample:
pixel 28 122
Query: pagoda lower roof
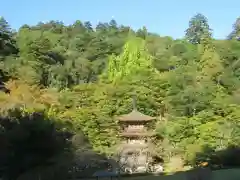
pixel 127 146
pixel 136 134
pixel 135 116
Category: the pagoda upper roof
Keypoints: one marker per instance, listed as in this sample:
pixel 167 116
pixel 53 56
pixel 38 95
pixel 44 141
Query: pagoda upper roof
pixel 135 115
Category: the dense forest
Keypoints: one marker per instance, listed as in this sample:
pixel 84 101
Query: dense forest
pixel 61 87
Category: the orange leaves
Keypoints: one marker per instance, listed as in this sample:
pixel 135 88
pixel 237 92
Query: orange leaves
pixel 26 96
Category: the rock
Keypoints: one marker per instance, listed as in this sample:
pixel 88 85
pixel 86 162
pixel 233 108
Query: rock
pixel 158 169
pixel 141 169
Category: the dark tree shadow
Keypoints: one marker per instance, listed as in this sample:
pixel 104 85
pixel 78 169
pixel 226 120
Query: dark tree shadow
pixel 55 58
pixel 213 164
pixel 87 161
pixel 35 147
pixel 3 88
pixel 223 159
pixel 3 78
pixel 29 141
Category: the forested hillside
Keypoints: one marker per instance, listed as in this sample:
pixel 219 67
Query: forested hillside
pixel 61 81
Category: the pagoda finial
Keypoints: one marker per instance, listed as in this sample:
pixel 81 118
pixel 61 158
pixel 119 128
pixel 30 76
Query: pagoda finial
pixel 134 102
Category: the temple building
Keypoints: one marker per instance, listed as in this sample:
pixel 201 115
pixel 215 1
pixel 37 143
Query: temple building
pixel 135 149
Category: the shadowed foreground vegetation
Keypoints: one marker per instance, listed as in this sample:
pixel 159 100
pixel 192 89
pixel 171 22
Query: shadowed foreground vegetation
pixel 231 174
pixel 31 141
pixel 34 146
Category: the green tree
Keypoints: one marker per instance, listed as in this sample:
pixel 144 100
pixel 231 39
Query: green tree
pixel 198 26
pixel 7 43
pixel 134 60
pixel 235 34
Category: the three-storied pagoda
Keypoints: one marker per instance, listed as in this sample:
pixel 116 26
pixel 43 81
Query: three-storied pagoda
pixel 134 150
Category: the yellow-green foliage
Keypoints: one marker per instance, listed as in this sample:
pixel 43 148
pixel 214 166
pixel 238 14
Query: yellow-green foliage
pixel 133 60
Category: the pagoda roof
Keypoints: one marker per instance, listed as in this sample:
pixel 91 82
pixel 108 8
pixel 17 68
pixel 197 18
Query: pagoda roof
pixel 136 134
pixel 125 147
pixel 135 115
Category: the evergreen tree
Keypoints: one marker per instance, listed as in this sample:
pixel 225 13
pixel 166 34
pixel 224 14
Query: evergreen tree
pixel 198 26
pixel 235 34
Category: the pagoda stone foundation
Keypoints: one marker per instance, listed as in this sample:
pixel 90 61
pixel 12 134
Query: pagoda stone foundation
pixel 134 158
pixel 135 153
